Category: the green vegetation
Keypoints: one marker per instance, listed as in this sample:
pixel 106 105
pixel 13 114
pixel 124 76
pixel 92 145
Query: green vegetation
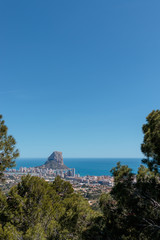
pixel 8 153
pixel 37 210
pixel 132 209
pixel 151 143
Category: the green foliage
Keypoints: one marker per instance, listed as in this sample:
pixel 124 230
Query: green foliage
pixel 36 209
pixel 151 143
pixel 9 232
pixel 35 233
pixel 132 209
pixel 77 214
pixel 62 188
pixel 121 172
pixel 31 202
pixel 8 153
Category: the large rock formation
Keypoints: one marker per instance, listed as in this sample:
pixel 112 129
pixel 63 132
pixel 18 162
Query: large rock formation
pixel 55 161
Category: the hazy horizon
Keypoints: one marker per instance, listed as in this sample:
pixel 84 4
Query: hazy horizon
pixel 83 157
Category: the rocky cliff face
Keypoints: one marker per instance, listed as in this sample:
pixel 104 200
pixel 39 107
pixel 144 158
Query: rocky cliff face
pixel 55 161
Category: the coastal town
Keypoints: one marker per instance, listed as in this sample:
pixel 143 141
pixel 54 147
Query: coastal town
pixel 91 187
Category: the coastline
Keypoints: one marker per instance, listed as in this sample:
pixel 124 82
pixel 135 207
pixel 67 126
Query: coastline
pixel 85 166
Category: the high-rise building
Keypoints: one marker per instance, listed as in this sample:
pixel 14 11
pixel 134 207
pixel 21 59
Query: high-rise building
pixel 73 172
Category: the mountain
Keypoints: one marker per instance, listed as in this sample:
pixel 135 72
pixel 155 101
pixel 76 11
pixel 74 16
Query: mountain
pixel 55 161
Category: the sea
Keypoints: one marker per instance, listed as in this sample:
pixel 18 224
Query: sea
pixel 85 166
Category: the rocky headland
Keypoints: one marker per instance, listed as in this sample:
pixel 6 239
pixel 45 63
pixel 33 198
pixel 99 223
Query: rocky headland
pixel 55 161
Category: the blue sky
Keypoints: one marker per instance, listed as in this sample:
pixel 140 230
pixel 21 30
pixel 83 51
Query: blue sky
pixel 79 76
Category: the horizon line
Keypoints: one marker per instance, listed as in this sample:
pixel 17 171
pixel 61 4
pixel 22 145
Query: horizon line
pixel 82 157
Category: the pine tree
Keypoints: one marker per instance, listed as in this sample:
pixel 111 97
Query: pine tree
pixel 8 153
